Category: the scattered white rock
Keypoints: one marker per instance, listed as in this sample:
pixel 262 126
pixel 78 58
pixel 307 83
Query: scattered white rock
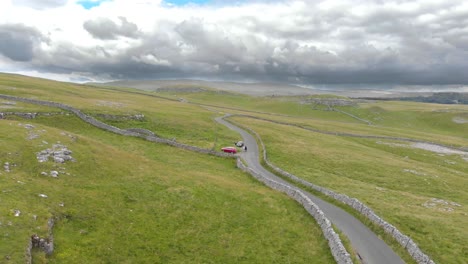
pixel 393 144
pixel 414 172
pixel 17 212
pixel 32 135
pixel 35 217
pixel 6 166
pixel 44 173
pixel 62 204
pixel 460 120
pixel 43 195
pixel 441 205
pixel 59 159
pixel 45 142
pixel 54 174
pixel 29 126
pixel 110 104
pixel 439 149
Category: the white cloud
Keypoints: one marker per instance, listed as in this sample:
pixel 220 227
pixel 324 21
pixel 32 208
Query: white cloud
pixel 413 42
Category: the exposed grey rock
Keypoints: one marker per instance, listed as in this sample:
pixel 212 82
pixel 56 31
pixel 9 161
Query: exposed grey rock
pixel 17 212
pixel 32 136
pixel 45 244
pixel 54 174
pixel 414 172
pixel 6 166
pixel 43 195
pixel 59 153
pixel 329 102
pixel 460 120
pixel 441 205
pixel 58 159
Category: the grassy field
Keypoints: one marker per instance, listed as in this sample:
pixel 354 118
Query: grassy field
pixel 421 192
pixel 399 182
pixel 125 200
pixel 183 122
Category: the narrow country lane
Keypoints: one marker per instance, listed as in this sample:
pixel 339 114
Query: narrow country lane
pixel 371 249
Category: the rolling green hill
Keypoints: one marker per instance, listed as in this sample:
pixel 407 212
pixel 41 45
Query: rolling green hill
pixel 127 200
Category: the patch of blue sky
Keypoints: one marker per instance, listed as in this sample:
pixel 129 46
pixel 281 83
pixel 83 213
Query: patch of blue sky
pixel 186 2
pixel 217 2
pixel 88 4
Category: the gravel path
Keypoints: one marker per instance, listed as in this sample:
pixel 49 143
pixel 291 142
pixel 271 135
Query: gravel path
pixel 370 248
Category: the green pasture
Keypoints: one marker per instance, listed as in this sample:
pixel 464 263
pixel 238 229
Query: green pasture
pixel 398 182
pixel 126 200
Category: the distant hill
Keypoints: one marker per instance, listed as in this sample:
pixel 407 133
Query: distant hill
pixel 255 89
pixel 440 98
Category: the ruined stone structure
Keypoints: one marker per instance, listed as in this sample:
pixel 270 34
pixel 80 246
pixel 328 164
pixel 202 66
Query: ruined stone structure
pixel 44 244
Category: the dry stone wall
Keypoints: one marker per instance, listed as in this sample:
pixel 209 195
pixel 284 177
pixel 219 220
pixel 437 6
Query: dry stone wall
pixel 339 252
pixel 349 134
pixel 405 241
pixel 102 125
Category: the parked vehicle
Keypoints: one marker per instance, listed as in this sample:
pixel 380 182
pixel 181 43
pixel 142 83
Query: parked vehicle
pixel 240 144
pixel 229 150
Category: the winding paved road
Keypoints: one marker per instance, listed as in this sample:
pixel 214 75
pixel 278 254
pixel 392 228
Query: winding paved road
pixel 371 249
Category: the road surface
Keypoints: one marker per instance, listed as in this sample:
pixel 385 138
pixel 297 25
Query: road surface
pixel 371 249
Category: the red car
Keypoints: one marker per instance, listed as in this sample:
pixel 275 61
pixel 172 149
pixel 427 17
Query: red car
pixel 229 149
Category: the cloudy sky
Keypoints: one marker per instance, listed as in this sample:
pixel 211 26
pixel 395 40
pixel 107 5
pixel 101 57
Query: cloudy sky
pixel 368 42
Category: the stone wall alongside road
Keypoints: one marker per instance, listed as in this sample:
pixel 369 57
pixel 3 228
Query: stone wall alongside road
pixel 104 126
pixel 342 134
pixel 402 239
pixel 339 252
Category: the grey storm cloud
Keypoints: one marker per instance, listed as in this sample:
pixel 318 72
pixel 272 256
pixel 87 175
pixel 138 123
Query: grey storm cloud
pixel 106 29
pixel 383 45
pixel 40 4
pixel 18 42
